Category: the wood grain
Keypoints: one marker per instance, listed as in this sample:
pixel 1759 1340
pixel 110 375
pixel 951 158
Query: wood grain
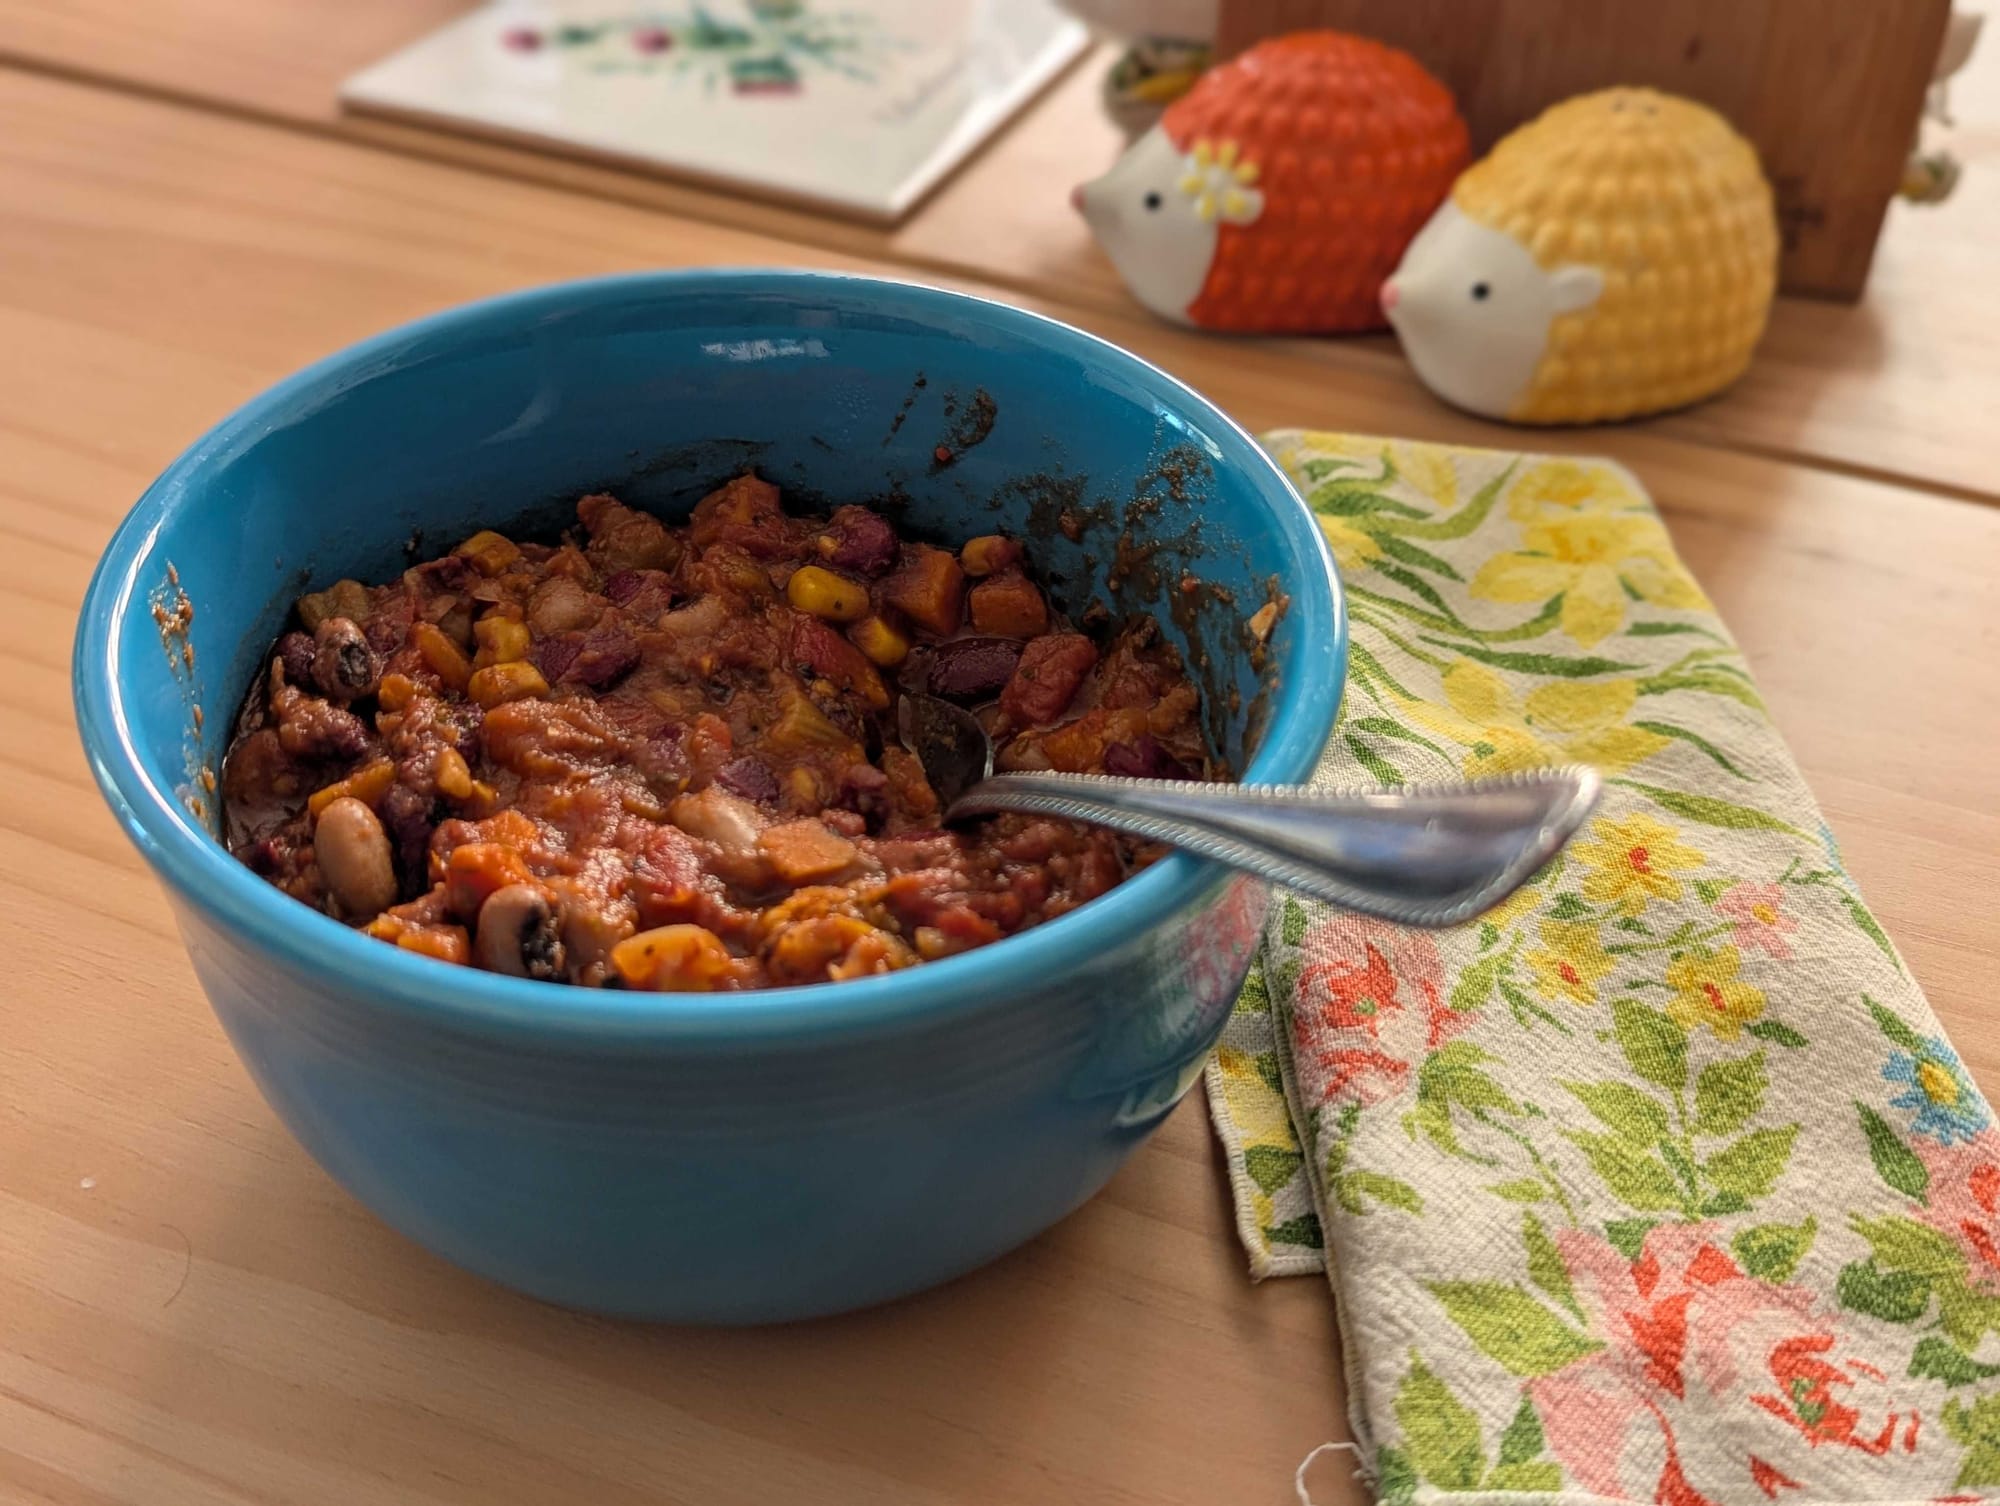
pixel 193 1313
pixel 1830 93
pixel 1896 387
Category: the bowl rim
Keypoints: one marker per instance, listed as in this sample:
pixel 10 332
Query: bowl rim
pixel 201 872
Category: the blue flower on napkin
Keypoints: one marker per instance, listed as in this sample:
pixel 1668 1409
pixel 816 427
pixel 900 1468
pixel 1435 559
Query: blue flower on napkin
pixel 1948 1107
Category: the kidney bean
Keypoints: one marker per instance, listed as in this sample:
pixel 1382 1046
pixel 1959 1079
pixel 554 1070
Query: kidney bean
pixel 1143 758
pixel 751 778
pixel 296 651
pixel 553 656
pixel 862 541
pixel 601 659
pixel 406 822
pixel 451 572
pixel 971 669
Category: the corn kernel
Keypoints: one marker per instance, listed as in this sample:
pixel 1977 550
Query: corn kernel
pixel 825 595
pixel 344 598
pixel 445 658
pixel 366 785
pixel 446 943
pixel 499 683
pixel 988 554
pixel 673 959
pixel 453 779
pixel 490 551
pixel 395 692
pixel 880 640
pixel 805 786
pixel 501 640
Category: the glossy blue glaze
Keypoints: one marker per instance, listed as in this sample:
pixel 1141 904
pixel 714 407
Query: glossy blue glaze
pixel 734 1158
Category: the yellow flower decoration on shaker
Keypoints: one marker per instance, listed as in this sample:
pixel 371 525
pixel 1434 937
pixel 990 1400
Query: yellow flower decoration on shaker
pixel 1591 558
pixel 1220 183
pixel 1708 992
pixel 1632 861
pixel 1559 723
pixel 1570 962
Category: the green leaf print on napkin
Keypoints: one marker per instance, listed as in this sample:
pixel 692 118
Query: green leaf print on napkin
pixel 1659 1182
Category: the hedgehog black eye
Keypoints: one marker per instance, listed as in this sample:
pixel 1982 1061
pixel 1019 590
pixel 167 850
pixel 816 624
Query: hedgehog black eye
pixel 1480 292
pixel 1152 201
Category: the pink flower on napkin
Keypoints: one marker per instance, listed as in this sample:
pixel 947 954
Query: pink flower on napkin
pixel 1371 1004
pixel 1757 912
pixel 1963 1202
pixel 1711 1382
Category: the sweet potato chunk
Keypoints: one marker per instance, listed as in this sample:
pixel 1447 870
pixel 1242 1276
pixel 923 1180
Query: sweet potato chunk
pixel 1010 605
pixel 1047 678
pixel 928 587
pixel 804 852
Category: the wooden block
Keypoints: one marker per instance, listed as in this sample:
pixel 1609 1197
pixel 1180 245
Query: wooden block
pixel 1829 90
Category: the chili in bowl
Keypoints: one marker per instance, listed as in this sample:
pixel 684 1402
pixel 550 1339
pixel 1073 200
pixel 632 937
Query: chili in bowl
pixel 664 757
pixel 753 1151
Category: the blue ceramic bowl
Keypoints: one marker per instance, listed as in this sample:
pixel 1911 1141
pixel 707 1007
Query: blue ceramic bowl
pixel 752 1156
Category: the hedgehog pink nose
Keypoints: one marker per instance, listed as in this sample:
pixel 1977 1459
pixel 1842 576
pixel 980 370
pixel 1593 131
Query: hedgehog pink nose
pixel 1391 296
pixel 1076 198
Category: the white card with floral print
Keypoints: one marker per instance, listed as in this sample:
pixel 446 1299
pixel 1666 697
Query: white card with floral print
pixel 858 105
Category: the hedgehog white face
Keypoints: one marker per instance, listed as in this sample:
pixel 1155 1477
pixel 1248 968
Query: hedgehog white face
pixel 1473 309
pixel 1157 213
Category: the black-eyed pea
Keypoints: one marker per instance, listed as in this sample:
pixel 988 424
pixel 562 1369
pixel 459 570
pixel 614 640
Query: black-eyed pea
pixel 520 934
pixel 343 665
pixel 354 858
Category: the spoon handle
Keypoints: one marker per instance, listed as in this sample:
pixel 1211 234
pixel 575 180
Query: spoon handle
pixel 1421 856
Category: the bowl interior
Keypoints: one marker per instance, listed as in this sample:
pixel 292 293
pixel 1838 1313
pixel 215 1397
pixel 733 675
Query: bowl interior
pixel 957 416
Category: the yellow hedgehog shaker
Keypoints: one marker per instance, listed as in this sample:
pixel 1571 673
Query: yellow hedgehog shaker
pixel 1616 256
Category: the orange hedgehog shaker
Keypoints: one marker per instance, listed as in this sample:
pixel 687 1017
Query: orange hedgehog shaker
pixel 1279 192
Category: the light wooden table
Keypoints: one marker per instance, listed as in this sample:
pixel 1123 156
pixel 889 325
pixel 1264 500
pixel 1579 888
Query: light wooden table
pixel 191 1312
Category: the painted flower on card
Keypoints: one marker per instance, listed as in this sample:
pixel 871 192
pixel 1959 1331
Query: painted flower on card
pixel 1563 722
pixel 1631 861
pixel 1947 1106
pixel 1757 917
pixel 1570 962
pixel 1597 561
pixel 1371 1003
pixel 1708 992
pixel 1962 1201
pixel 1560 488
pixel 1711 1383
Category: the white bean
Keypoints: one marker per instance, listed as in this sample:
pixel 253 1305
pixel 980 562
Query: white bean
pixel 354 858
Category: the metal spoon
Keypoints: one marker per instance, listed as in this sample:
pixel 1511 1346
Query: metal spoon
pixel 1420 856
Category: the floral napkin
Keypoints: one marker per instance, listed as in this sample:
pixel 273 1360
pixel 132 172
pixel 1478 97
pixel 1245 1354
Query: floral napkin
pixel 1660 1183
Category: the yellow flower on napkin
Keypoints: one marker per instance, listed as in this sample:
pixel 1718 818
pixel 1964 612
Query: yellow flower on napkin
pixel 1555 488
pixel 1632 861
pixel 1570 962
pixel 1352 548
pixel 1557 723
pixel 1708 992
pixel 1591 556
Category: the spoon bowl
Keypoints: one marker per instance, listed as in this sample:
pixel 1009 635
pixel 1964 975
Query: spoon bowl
pixel 1424 855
